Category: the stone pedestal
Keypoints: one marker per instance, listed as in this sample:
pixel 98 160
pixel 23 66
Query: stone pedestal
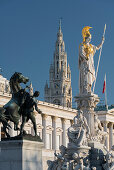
pixel 21 155
pixel 87 103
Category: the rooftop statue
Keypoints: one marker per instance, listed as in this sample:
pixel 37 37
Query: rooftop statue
pixel 86 61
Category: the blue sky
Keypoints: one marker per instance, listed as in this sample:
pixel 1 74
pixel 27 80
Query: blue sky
pixel 28 31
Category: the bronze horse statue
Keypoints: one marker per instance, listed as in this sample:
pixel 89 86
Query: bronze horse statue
pixel 11 110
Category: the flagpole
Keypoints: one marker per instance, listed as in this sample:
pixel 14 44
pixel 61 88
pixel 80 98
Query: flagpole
pixel 106 95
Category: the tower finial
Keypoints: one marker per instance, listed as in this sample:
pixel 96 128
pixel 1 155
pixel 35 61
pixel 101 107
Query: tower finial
pixel 60 24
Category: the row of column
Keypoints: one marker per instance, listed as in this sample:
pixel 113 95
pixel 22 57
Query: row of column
pixel 108 142
pixel 54 133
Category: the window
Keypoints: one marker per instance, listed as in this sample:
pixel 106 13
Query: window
pixel 58 139
pixel 49 141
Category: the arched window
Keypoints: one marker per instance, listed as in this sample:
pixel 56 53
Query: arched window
pixel 56 101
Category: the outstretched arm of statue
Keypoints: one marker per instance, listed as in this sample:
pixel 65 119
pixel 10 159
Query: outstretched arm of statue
pixel 100 45
pixel 38 110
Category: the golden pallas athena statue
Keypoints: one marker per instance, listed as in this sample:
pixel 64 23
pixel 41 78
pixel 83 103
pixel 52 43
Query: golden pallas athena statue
pixel 86 61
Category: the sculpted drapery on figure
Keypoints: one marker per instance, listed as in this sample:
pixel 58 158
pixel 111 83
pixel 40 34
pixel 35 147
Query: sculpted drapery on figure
pixel 86 61
pixel 79 132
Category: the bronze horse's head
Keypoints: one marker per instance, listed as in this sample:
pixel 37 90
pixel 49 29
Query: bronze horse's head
pixel 15 81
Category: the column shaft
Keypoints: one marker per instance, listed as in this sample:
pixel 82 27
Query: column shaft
pixel 105 129
pixel 110 135
pixel 64 132
pixel 54 133
pixel 44 129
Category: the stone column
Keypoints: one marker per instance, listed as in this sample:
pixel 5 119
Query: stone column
pixel 44 129
pixel 105 129
pixel 110 135
pixel 54 132
pixel 64 132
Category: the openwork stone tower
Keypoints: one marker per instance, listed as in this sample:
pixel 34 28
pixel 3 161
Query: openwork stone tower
pixel 59 90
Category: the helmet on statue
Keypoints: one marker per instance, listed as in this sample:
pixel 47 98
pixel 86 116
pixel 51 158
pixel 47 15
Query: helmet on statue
pixel 85 32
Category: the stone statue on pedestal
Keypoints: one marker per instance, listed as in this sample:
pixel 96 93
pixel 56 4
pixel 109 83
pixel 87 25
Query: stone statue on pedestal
pixel 74 157
pixel 86 61
pixel 79 132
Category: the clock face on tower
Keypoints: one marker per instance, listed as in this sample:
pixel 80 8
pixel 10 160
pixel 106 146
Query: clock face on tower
pixel 56 85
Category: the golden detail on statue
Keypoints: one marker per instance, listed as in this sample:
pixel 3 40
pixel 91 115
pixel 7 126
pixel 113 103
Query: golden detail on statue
pixel 85 32
pixel 88 48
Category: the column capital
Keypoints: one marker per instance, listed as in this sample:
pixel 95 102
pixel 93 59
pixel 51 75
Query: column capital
pixel 44 116
pixel 111 124
pixel 63 120
pixel 105 123
pixel 54 118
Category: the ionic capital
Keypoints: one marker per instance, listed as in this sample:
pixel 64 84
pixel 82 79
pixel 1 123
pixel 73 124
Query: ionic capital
pixel 44 116
pixel 63 120
pixel 54 118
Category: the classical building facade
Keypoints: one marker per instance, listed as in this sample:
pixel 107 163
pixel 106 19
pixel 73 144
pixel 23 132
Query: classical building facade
pixel 53 123
pixel 59 90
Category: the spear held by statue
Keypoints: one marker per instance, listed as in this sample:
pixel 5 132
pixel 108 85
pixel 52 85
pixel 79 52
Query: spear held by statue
pixel 99 59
